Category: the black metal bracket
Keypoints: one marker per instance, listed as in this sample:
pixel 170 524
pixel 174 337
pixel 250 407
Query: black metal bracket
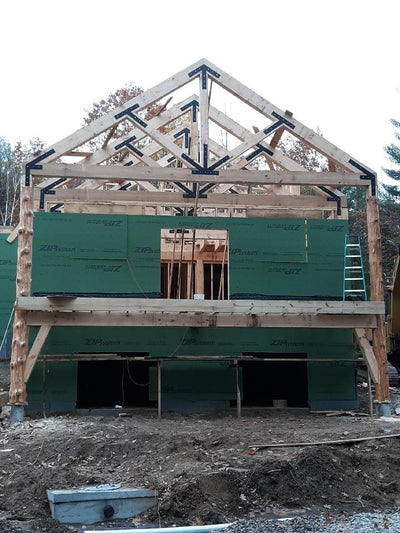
pixel 186 133
pixel 281 121
pixel 125 187
pixel 284 120
pixel 367 175
pixel 260 149
pixel 49 190
pixel 205 71
pixel 129 113
pixel 206 188
pixel 220 162
pixel 55 208
pixel 194 104
pixel 33 165
pixel 191 193
pixel 128 144
pixel 332 197
pixel 180 212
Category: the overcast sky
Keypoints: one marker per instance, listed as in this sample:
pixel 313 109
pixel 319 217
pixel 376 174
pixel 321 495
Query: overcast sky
pixel 334 63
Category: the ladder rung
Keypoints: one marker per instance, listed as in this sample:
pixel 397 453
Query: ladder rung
pixel 353 255
pixel 354 290
pixel 353 279
pixel 354 268
pixel 357 245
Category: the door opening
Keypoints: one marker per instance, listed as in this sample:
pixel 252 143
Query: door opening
pixel 105 384
pixel 277 379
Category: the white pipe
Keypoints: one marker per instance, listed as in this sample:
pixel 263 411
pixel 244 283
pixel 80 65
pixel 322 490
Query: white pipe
pixel 184 529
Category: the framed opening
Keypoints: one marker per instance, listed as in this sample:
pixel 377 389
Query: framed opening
pixel 194 264
pixel 266 381
pixel 105 384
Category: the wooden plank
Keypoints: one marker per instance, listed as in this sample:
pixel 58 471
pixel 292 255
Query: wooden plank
pixel 368 354
pixel 105 209
pixel 286 307
pixel 35 350
pixel 322 442
pixel 290 212
pixel 137 173
pixel 199 319
pixel 14 234
pixel 178 199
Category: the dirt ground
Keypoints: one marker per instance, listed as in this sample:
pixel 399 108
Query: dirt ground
pixel 200 464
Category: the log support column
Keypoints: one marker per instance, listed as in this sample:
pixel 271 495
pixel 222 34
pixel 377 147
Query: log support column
pixel 382 397
pixel 20 343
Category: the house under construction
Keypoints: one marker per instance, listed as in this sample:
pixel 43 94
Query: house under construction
pixel 172 254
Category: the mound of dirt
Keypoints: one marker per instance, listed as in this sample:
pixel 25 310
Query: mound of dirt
pixel 199 465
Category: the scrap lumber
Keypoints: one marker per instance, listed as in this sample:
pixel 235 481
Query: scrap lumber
pixel 322 442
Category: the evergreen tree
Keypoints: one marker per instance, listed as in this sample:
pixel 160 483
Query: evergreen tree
pixel 393 152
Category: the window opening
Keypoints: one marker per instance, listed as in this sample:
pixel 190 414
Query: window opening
pixel 195 264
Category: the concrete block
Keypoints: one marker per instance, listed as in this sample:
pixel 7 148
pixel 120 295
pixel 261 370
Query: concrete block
pixel 89 505
pixel 3 398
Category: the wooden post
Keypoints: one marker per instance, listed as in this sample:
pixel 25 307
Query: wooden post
pixel 212 281
pixel 172 267
pixel 204 126
pixel 370 399
pixel 20 343
pixel 238 395
pixel 376 284
pixel 221 291
pixel 159 385
pixel 191 264
pixel 199 276
pixel 179 289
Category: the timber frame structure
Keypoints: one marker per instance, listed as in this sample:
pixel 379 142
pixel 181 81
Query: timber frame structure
pixel 126 162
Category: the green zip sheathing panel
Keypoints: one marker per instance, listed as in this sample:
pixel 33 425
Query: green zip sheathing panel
pixel 97 254
pixel 182 380
pixel 52 387
pixel 268 258
pixel 8 265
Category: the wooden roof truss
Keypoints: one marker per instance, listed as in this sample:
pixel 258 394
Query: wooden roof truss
pixel 179 138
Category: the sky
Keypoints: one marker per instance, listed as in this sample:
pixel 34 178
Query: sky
pixel 334 64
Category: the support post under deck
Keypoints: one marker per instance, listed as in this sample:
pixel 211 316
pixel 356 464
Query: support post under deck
pixel 382 397
pixel 20 343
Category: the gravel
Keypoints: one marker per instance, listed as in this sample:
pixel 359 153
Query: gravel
pixel 385 522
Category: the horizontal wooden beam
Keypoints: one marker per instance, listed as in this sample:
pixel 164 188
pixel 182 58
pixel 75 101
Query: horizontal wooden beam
pixel 178 199
pixel 196 320
pixel 137 173
pixel 161 305
pixel 111 356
